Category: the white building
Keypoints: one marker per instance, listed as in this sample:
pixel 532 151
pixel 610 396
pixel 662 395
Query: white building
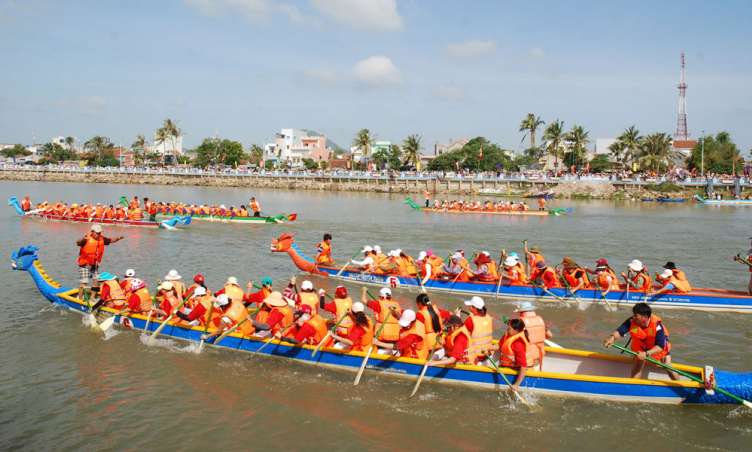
pixel 169 146
pixel 291 146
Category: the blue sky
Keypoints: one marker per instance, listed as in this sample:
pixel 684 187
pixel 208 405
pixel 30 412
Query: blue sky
pixel 248 68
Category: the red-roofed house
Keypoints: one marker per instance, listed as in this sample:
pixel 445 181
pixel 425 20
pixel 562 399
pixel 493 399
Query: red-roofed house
pixel 684 146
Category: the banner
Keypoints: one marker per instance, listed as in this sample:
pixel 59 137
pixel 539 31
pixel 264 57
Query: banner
pixel 383 165
pixel 418 165
pixel 480 155
pixel 457 164
pixel 348 164
pixel 587 168
pixel 498 166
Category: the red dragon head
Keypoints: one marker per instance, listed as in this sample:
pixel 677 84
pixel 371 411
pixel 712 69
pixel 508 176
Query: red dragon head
pixel 282 244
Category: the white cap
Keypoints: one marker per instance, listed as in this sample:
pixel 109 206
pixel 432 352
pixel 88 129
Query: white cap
pixel 130 273
pixel 377 248
pixel 666 273
pixel 510 262
pixel 367 249
pixel 199 291
pixel 232 280
pixel 96 228
pixel 358 307
pixel 476 302
pixel 307 285
pixel 408 316
pixel 486 253
pixel 384 292
pixel 393 253
pixel 172 275
pixel 221 300
pixel 636 265
pixel 422 255
pixel 399 251
pixel 222 206
pixel 457 257
pixel 167 285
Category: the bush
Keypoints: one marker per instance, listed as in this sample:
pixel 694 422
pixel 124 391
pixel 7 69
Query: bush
pixel 664 186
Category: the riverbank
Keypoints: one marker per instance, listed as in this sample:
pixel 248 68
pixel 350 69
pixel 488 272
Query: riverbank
pixel 464 186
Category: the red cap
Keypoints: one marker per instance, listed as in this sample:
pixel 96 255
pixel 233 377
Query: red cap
pixel 198 278
pixel 601 262
pixel 340 292
pixel 305 308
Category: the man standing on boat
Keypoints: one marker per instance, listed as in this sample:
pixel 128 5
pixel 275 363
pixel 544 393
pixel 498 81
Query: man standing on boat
pixel 428 197
pixel 747 261
pixel 90 255
pixel 256 207
pixel 649 338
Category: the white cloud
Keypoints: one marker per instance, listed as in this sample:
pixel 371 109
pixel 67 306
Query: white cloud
pixel 449 93
pixel 470 48
pixel 323 77
pixel 87 105
pixel 377 72
pixel 255 11
pixel 537 52
pixel 374 15
pixel 179 103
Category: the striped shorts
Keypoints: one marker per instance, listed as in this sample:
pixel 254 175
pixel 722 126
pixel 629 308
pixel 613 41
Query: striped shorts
pixel 86 272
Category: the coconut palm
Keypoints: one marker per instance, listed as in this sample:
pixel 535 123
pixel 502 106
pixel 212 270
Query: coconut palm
pixel 364 141
pixel 411 147
pixel 99 144
pixel 162 136
pixel 617 148
pixel 256 153
pixel 633 142
pixel 530 125
pixel 577 139
pixel 174 132
pixel 69 142
pixel 140 143
pixel 555 136
pixel 656 151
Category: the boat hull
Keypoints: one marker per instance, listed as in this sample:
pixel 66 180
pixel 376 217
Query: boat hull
pixel 739 202
pixel 227 219
pixel 114 222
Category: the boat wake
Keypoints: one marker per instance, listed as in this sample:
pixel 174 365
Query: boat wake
pixel 169 344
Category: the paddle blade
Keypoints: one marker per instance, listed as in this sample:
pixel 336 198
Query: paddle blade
pixel 104 326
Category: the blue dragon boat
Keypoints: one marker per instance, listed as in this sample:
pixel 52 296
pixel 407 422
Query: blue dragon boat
pixel 564 372
pixel 742 202
pixel 697 299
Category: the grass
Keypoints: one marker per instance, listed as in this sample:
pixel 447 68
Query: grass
pixel 664 187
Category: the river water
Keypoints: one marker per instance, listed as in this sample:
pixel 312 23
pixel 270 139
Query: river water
pixel 64 387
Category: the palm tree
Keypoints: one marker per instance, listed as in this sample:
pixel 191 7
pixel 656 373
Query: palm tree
pixel 411 147
pixel 140 143
pixel 633 142
pixel 174 132
pixel 256 153
pixel 617 148
pixel 531 125
pixel 657 150
pixel 99 144
pixel 555 136
pixel 364 141
pixel 577 139
pixel 162 136
pixel 69 142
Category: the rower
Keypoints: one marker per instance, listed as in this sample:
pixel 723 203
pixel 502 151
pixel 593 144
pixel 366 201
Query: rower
pixel 431 265
pixel 130 275
pixel 511 274
pixel 648 338
pixel 457 345
pixel 198 281
pixel 515 350
pixel 483 273
pixel 412 338
pixel 604 263
pixel 276 313
pixel 543 275
pixel 110 294
pixel 379 257
pixel 605 279
pixel 431 316
pixel 232 289
pixel 175 278
pixel 338 306
pixel 480 326
pixel 359 333
pixel 307 295
pixel 641 279
pixel 324 252
pixel 256 207
pixel 574 275
pixel 381 306
pixel 91 248
pixel 139 300
pixel 200 306
pixel 671 284
pixel 537 331
pixel 257 297
pixel 453 268
pixel 171 299
pixel 367 261
pixel 26 203
pixel 678 274
pixel 406 264
pixel 311 328
pixel 390 266
pixel 232 313
pixel 533 255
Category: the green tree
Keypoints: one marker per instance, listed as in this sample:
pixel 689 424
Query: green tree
pixel 380 157
pixel 555 136
pixel 69 142
pixel 530 125
pixel 395 157
pixel 172 130
pixel 600 163
pixel 57 153
pixel 720 154
pixel 18 150
pixel 633 143
pixel 140 143
pixel 215 152
pixel 617 148
pixel 364 141
pixel 411 147
pixel 656 154
pixel 99 145
pixel 256 153
pixel 577 139
pixel 106 159
pixel 467 157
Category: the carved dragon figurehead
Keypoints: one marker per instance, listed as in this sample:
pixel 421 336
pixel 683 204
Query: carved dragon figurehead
pixel 285 244
pixel 24 258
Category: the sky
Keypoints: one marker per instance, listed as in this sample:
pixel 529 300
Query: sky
pixel 247 68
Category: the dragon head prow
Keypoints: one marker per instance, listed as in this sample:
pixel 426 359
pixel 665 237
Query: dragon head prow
pixel 283 243
pixel 24 258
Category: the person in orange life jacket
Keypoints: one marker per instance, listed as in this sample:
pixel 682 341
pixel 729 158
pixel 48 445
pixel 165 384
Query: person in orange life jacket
pixel 544 275
pixel 232 289
pixel 198 281
pixel 194 315
pixel 275 313
pixel 452 269
pixel 537 331
pixel 257 297
pixel 542 203
pixel 171 299
pixel 175 278
pixel 671 284
pixel 324 253
pixel 428 197
pixel 307 295
pixel 608 271
pixel 310 329
pixel 605 279
pixel 381 306
pixel 412 340
pixel 256 207
pixel 747 258
pixel 533 255
pixel 90 255
pixel 648 338
pixel 678 274
pixel 574 275
pixel 337 307
pixel 233 314
pixel 456 344
pixel 480 327
pixel 139 300
pixel 359 335
pixel 515 350
pixel 368 261
pixel 26 204
pixel 430 265
pixel 511 274
pixel 432 317
pixel 134 202
pixel 110 294
pixel 641 278
pixel 389 265
pixel 130 275
pixel 483 272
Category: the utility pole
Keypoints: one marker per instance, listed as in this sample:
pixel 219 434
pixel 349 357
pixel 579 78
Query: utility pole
pixel 702 155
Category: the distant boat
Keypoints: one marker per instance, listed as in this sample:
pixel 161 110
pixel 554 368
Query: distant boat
pixel 724 201
pixel 670 200
pixel 647 199
pixel 549 196
pixel 483 192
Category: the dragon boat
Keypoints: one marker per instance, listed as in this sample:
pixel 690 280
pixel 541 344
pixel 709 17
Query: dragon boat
pixel 564 372
pixel 539 213
pixel 742 202
pixel 697 299
pixel 669 199
pixel 483 192
pixel 281 218
pixel 167 224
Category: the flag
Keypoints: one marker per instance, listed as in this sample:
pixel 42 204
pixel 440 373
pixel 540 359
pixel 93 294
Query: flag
pixel 81 164
pixel 418 165
pixel 544 167
pixel 348 164
pixel 588 167
pixel 319 164
pixel 480 155
pixel 236 163
pixel 223 157
pixel 457 164
pixel 634 167
pixel 383 165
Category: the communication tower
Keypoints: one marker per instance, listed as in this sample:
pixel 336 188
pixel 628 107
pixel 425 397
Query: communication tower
pixel 681 122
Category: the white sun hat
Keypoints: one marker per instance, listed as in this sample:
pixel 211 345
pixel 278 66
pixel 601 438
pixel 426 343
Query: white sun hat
pixel 172 275
pixel 408 316
pixel 636 265
pixel 476 302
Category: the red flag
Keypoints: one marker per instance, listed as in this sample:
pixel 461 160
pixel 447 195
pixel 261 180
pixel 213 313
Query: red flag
pixel 457 164
pixel 223 157
pixel 480 156
pixel 588 167
pixel 348 164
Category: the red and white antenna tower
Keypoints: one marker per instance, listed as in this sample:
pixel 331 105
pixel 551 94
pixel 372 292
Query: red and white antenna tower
pixel 681 122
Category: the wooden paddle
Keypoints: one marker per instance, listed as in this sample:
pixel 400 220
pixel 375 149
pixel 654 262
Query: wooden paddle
pixel 626 279
pixel 329 334
pixel 224 335
pixel 690 376
pixel 368 353
pixel 568 286
pixel 543 288
pixel 603 296
pixel 346 263
pixel 498 267
pixel 158 330
pixel 418 275
pixel 519 396
pixel 271 339
pixel 109 321
pixel 527 261
pixel 206 327
pixel 425 366
pixel 92 320
pixel 461 272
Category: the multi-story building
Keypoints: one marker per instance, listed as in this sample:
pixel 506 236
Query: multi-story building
pixel 291 146
pixel 454 144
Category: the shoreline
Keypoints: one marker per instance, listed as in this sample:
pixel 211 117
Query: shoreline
pixel 575 189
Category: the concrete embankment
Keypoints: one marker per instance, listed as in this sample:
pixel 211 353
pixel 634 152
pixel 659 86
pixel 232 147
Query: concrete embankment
pixel 406 185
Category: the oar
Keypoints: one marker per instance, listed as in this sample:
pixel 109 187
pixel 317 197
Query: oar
pixel 603 296
pixel 269 340
pixel 418 275
pixel 109 321
pixel 236 326
pixel 158 330
pixel 369 293
pixel 206 327
pixel 543 288
pixel 329 334
pixel 345 265
pixel 690 376
pixel 269 216
pixel 626 279
pixel 368 353
pixel 498 267
pixel 153 301
pixel 425 366
pixel 527 261
pixel 92 320
pixel 461 272
pixel 569 287
pixel 519 396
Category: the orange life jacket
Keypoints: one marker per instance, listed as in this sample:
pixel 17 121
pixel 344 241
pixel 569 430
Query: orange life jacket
pixel 170 302
pixel 237 313
pixel 26 204
pixel 536 331
pixel 91 252
pixel 325 256
pixel 287 317
pixel 403 264
pixel 519 279
pixel 435 263
pixel 134 203
pixel 136 214
pixel 681 276
pixel 234 292
pixel 646 283
pixel 310 299
pixel 468 356
pixel 679 285
pixel 428 324
pixel 116 298
pixel 179 287
pixel 482 334
pixel 343 305
pixel 643 339
pixel 145 300
pixel 363 341
pixel 109 214
pixel 493 270
pixel 568 274
pixel 255 206
pixel 318 323
pixel 417 350
pixel 391 330
pixel 507 354
pixel 602 280
pixel 212 315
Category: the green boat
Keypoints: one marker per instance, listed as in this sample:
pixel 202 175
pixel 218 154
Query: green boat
pixel 281 218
